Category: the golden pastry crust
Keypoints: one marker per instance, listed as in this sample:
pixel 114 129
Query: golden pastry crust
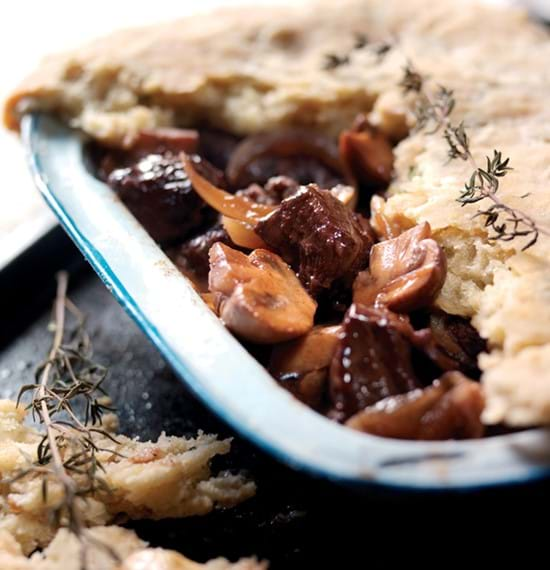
pixel 254 69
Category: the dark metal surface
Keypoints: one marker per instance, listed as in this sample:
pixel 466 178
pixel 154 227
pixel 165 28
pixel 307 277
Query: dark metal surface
pixel 294 521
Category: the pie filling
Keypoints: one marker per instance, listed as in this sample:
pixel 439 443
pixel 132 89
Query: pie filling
pixel 284 236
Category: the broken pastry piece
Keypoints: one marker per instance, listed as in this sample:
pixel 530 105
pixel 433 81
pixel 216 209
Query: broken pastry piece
pixel 170 477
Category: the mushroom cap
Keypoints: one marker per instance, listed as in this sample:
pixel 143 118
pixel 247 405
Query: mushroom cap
pixel 259 297
pixel 405 273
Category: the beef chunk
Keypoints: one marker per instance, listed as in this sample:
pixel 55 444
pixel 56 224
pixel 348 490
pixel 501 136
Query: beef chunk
pixel 321 238
pixel 166 140
pixel 158 193
pixel 191 257
pixel 448 409
pixel 372 361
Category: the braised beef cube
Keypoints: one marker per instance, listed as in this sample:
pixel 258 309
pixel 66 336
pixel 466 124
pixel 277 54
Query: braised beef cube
pixel 191 257
pixel 158 193
pixel 448 409
pixel 321 238
pixel 372 361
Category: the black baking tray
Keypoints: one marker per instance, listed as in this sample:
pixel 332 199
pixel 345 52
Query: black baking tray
pixel 294 521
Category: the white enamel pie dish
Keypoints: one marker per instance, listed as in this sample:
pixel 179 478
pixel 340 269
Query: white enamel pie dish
pixel 221 372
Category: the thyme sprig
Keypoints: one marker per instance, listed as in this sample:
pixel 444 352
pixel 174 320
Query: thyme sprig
pixel 432 112
pixel 67 454
pixel 361 43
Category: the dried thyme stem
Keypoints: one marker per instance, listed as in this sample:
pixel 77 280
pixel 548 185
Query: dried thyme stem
pixel 59 319
pixel 66 375
pixel 434 112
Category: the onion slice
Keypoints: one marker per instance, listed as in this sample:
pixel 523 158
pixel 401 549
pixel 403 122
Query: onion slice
pixel 284 143
pixel 243 234
pixel 236 207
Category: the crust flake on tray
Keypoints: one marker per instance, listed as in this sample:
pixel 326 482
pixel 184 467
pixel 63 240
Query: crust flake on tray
pixel 167 478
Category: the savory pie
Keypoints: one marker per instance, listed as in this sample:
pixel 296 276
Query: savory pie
pixel 403 289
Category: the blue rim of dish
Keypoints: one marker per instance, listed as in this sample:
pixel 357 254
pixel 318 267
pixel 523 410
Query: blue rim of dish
pixel 30 133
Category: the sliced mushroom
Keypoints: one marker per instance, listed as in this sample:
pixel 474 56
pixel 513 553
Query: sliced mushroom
pixel 448 409
pixel 385 227
pixel 366 154
pixel 258 296
pixel 313 351
pixel 405 273
pixel 301 365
